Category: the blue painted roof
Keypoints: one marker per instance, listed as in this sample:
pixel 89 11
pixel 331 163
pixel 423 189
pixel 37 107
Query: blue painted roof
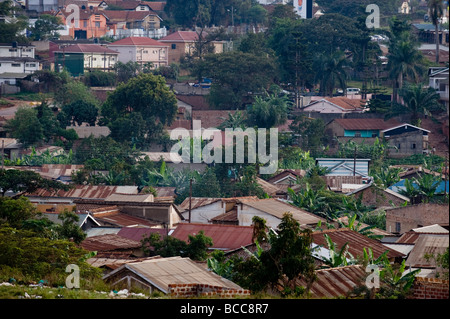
pixel 401 186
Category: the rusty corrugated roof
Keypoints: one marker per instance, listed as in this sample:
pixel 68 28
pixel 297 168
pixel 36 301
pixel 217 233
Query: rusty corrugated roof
pixel 109 242
pixel 161 272
pixel 335 282
pixel 86 192
pixel 427 244
pixel 226 237
pixel 356 242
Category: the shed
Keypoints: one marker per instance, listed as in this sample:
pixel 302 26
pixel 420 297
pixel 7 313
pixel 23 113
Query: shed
pixel 158 273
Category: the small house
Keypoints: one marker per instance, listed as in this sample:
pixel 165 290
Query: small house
pixel 345 166
pixel 339 105
pixel 164 274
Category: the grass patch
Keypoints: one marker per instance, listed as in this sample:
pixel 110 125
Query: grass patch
pixel 30 96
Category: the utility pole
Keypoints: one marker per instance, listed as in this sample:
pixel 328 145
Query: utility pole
pixel 354 163
pixel 3 154
pixel 190 199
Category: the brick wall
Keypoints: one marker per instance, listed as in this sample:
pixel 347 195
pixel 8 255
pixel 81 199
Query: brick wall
pixel 200 290
pixel 430 288
pixel 412 216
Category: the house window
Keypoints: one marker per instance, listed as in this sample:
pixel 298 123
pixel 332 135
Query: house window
pixel 174 46
pixel 142 8
pixel 374 134
pixel 413 146
pixel 15 65
pixel 31 65
pixel 97 24
pixel 145 51
pixel 397 227
pixel 112 59
pixel 12 50
pixel 357 134
pixel 85 24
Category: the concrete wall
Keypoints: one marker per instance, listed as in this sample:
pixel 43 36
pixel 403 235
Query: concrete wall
pixel 246 213
pixel 205 213
pixel 413 216
pixel 404 143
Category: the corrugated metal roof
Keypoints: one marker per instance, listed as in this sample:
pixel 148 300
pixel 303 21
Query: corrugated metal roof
pixel 226 237
pixel 161 272
pixel 366 124
pixel 196 202
pixel 109 242
pixel 137 233
pixel 335 282
pixel 431 229
pixel 427 244
pixel 277 208
pixel 167 157
pixel 123 220
pixel 356 242
pixel 130 198
pixel 86 192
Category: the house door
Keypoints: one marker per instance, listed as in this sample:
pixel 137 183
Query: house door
pixel 80 34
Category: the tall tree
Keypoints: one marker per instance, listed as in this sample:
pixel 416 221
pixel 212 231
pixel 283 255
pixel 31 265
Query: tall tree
pixel 46 27
pixel 405 60
pixel 436 9
pixel 25 126
pixel 331 72
pixel 146 95
pixel 417 101
pixel 267 112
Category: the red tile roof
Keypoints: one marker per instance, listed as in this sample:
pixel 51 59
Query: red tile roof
pixel 181 36
pixel 346 103
pixel 225 237
pixel 367 124
pixel 87 48
pixel 141 41
pixel 356 242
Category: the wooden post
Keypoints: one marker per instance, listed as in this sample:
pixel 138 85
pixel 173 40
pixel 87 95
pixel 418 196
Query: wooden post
pixel 190 199
pixel 354 163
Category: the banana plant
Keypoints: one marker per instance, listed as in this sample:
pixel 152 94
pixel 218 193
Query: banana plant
pixel 352 225
pixel 338 258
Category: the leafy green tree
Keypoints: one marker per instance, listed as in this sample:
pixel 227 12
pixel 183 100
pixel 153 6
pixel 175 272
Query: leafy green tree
pixel 69 228
pixel 15 212
pixel 30 256
pixel 25 126
pixel 235 74
pixel 268 112
pixel 288 258
pixel 436 9
pixel 417 101
pixel 100 78
pixel 126 71
pixel 145 99
pixel 308 134
pixel 405 62
pixel 73 91
pixel 26 181
pixel 331 72
pixel 14 23
pixel 46 27
pixel 77 113
pixel 287 39
pixel 169 246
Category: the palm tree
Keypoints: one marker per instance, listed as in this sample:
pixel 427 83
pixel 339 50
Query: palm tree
pixel 331 71
pixel 404 62
pixel 417 101
pixel 436 12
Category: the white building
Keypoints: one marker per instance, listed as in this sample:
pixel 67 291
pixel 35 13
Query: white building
pixel 142 50
pixel 16 61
